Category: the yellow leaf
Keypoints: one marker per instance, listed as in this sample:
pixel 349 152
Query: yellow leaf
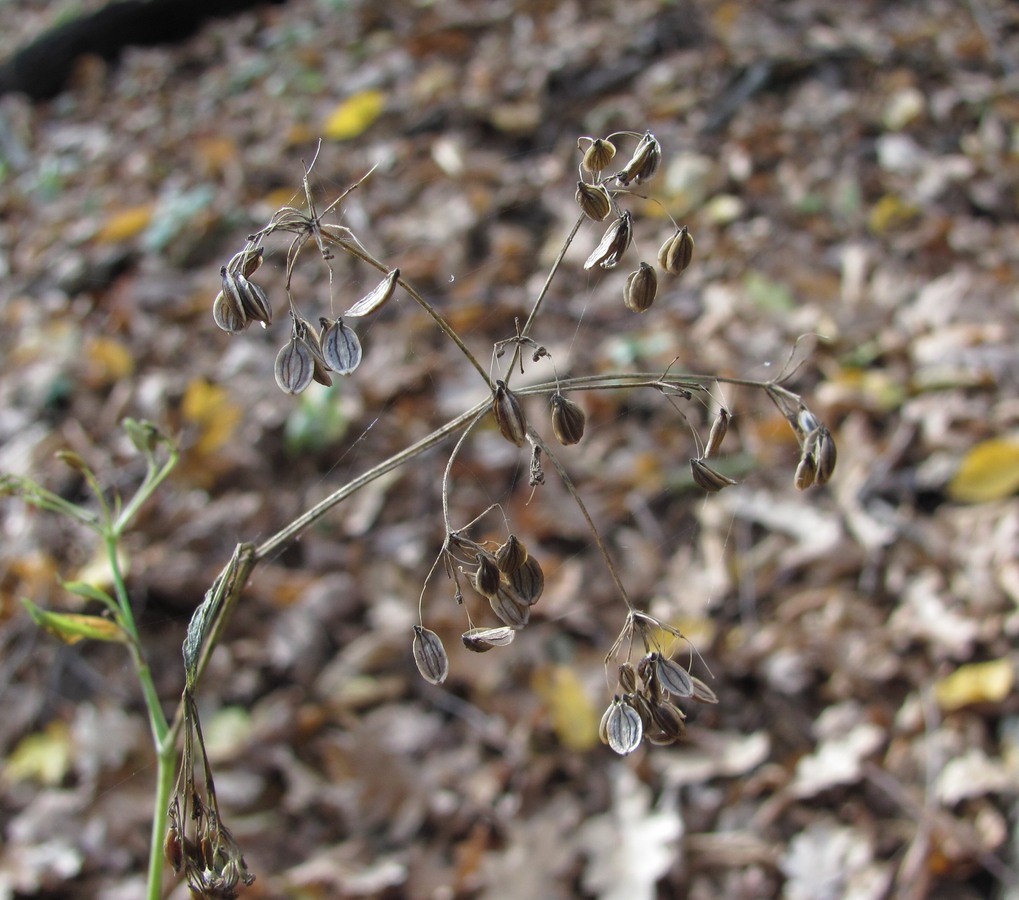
pixel 574 717
pixel 72 627
pixel 984 682
pixel 44 757
pixel 990 471
pixel 108 359
pixel 125 224
pixel 353 116
pixel 209 407
pixel 890 213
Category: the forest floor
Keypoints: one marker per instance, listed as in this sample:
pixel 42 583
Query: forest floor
pixel 850 174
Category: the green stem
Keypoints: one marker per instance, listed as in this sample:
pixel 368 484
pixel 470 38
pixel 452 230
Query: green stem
pixel 166 765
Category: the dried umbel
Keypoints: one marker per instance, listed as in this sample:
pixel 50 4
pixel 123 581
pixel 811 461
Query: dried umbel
pixel 430 655
pixel 675 254
pixel 613 244
pixel 568 420
pixel 643 164
pixel 509 415
pixel 708 478
pixel 598 155
pixel 641 289
pixel 594 200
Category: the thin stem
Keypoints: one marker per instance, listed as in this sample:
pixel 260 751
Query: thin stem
pixel 449 468
pixel 166 764
pixel 154 477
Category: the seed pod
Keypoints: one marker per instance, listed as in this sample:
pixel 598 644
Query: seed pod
pixel 594 200
pixel 341 350
pixel 717 434
pixel 702 692
pixel 249 260
pixel 641 289
pixel 806 421
pixel 598 155
pixel 481 640
pixel 509 415
pixel 528 581
pixel 806 471
pixel 255 302
pixel 568 420
pixel 643 706
pixel 430 655
pixel 173 848
pixel 644 163
pixel 486 578
pixel 676 253
pixel 824 452
pixel 623 728
pixel 613 243
pixel 228 314
pixel 628 678
pixel 307 333
pixel 646 668
pixel 673 677
pixel 511 555
pixel 707 478
pixel 295 366
pixel 509 608
pixel 377 297
pixel 669 719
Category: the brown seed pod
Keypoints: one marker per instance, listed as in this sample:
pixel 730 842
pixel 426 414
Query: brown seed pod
pixel 702 692
pixel 528 581
pixel 430 655
pixel 255 302
pixel 623 727
pixel 594 200
pixel 806 471
pixel 669 719
pixel 641 289
pixel 295 366
pixel 509 608
pixel 376 298
pixel 717 434
pixel 613 244
pixel 173 848
pixel 673 677
pixel 707 478
pixel 644 163
pixel 628 678
pixel 228 314
pixel 341 350
pixel 509 415
pixel 511 555
pixel 481 640
pixel 249 261
pixel 568 420
pixel 598 155
pixel 825 453
pixel 486 578
pixel 675 254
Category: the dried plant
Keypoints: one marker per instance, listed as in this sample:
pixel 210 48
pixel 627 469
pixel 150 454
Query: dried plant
pixel 652 687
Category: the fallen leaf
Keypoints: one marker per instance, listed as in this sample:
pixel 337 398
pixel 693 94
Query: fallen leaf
pixel 44 757
pixel 989 471
pixel 210 408
pixel 126 223
pixel 574 717
pixel 983 682
pixel 354 115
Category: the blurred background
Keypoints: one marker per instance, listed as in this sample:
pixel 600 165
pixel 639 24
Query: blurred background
pixel 851 178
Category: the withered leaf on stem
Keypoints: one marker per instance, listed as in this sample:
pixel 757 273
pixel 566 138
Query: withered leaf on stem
pixel 430 655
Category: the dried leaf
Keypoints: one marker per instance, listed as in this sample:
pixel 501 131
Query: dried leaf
pixel 126 223
pixel 354 115
pixel 44 757
pixel 72 627
pixel 210 408
pixel 990 471
pixel 983 682
pixel 573 714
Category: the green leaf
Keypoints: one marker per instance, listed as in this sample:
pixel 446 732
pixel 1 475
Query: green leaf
pixel 89 591
pixel 990 471
pixel 71 628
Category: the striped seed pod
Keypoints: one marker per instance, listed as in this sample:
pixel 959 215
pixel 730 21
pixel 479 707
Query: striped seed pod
pixel 486 578
pixel 641 289
pixel 377 297
pixel 295 366
pixel 509 415
pixel 644 163
pixel 341 350
pixel 613 244
pixel 621 727
pixel 598 155
pixel 707 478
pixel 481 640
pixel 511 555
pixel 430 655
pixel 228 314
pixel 594 200
pixel 568 420
pixel 717 434
pixel 675 254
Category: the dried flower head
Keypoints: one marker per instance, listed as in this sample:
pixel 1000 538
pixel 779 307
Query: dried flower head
pixel 568 420
pixel 641 289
